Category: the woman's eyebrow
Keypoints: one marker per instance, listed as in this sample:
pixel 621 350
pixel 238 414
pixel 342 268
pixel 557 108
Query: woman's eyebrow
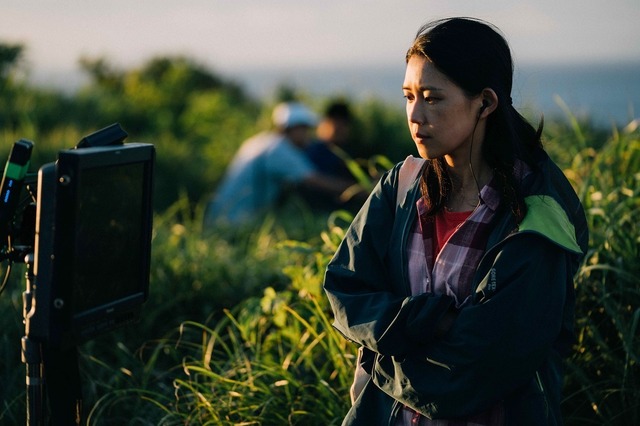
pixel 424 88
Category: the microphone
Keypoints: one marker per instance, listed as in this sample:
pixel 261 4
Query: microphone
pixel 12 180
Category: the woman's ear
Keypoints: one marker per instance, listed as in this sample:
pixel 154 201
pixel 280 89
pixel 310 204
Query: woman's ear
pixel 489 102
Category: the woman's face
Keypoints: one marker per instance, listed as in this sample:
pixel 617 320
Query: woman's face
pixel 441 116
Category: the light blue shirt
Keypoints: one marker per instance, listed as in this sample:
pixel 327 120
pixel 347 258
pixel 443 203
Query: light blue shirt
pixel 256 176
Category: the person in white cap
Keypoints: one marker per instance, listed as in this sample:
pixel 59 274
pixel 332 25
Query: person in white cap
pixel 266 165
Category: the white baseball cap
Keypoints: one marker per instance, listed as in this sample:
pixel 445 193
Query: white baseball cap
pixel 291 114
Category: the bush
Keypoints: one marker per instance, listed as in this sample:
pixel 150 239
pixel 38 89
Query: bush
pixel 603 385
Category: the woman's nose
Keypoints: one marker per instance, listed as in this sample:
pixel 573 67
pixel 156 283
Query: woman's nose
pixel 415 114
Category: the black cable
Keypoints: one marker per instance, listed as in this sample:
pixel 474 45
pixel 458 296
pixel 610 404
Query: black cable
pixel 471 151
pixel 6 277
pixel 9 264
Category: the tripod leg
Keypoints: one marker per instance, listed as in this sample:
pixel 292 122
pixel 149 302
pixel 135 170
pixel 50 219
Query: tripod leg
pixel 32 358
pixel 64 390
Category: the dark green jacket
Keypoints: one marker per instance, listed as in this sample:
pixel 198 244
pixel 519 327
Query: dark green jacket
pixel 506 346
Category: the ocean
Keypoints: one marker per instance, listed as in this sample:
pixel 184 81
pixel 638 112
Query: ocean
pixel 606 94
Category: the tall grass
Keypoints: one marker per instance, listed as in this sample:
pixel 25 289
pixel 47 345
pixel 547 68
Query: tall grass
pixel 276 359
pixel 603 386
pixel 237 329
pixel 272 360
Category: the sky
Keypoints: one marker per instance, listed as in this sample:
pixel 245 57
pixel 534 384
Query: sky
pixel 260 41
pixel 232 34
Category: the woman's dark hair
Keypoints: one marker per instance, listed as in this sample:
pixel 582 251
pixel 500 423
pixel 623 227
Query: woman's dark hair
pixel 474 55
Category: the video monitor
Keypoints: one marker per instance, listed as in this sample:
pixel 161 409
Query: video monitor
pixel 93 241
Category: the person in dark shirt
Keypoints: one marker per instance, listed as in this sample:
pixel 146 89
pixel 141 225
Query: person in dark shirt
pixel 333 134
pixel 327 152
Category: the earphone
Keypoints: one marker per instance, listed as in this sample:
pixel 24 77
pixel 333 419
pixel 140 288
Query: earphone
pixel 485 104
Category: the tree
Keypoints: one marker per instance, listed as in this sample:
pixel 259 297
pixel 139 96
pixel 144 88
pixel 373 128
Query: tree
pixel 10 56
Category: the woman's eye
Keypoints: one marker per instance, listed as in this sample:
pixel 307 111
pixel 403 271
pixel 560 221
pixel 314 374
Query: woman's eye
pixel 408 97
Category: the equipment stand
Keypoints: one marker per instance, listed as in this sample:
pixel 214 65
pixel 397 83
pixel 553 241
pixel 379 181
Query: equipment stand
pixel 51 371
pixel 32 357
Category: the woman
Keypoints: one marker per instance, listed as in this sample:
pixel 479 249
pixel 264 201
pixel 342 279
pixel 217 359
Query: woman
pixel 460 292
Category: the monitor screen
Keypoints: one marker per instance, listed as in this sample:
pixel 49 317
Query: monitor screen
pixel 93 255
pixel 107 235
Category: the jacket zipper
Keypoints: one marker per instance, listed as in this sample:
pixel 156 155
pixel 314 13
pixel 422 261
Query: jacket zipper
pixel 544 394
pixel 395 409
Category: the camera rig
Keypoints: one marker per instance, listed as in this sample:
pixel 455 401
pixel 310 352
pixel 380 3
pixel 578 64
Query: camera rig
pixel 82 226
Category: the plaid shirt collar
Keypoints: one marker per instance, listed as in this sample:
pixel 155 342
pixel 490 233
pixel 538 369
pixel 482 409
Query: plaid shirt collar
pixel 451 271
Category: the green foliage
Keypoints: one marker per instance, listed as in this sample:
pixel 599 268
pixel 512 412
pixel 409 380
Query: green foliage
pixel 269 361
pixel 196 119
pixel 196 274
pixel 603 385
pixel 237 329
pixel 10 56
pixel 154 97
pixel 382 131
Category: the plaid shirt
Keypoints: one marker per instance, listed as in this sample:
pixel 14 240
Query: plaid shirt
pixel 451 272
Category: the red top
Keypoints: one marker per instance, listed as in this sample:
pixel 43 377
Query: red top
pixel 446 223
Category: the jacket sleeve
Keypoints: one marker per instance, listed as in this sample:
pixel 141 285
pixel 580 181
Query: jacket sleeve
pixel 494 347
pixel 370 303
